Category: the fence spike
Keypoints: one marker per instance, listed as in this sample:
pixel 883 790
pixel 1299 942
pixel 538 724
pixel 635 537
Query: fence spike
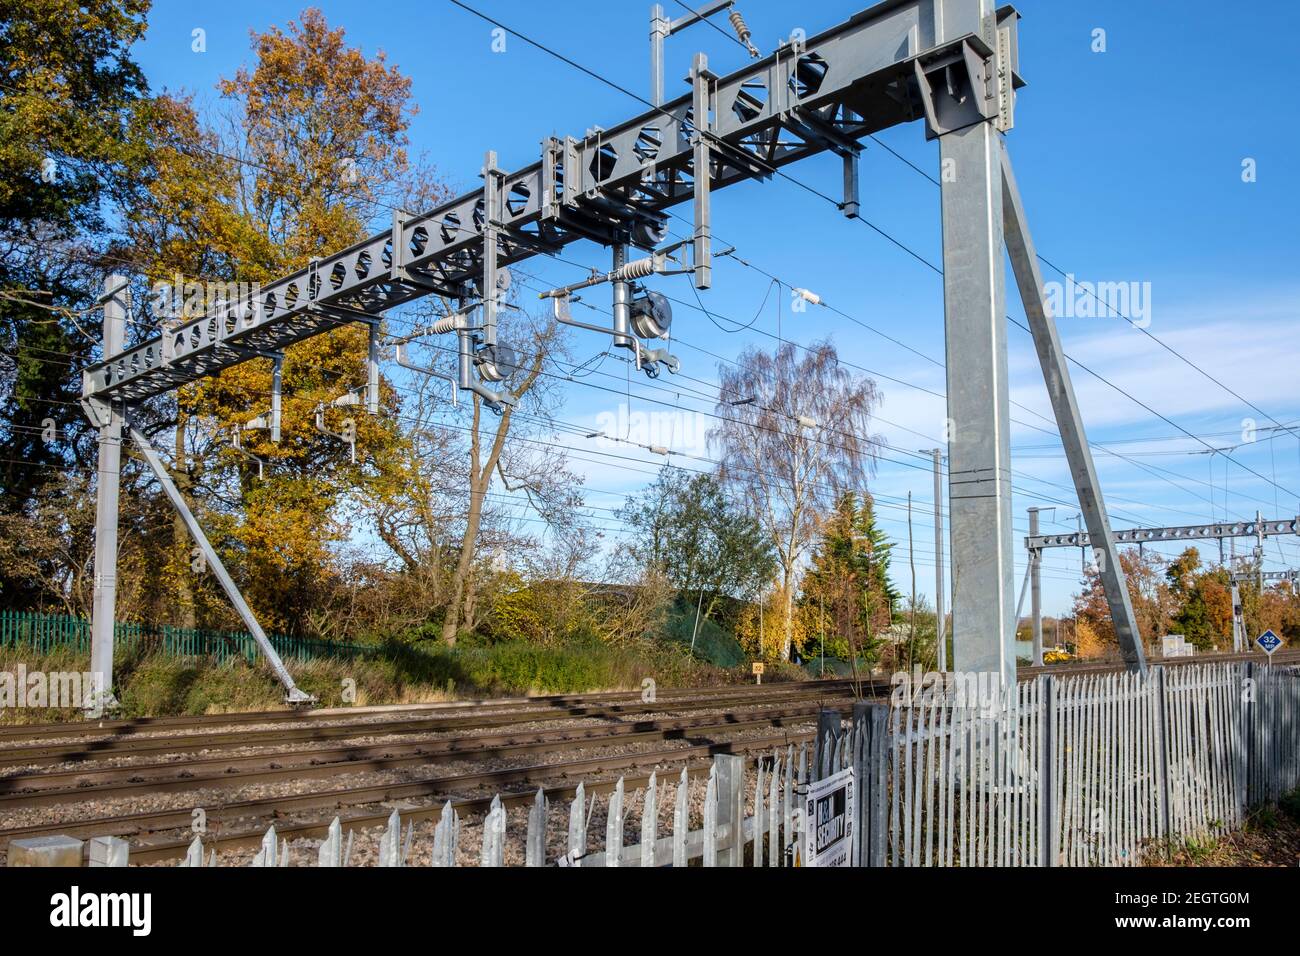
pixel 681 820
pixel 194 855
pixel 331 848
pixel 535 842
pixel 445 837
pixel 787 817
pixel 494 833
pixel 711 818
pixel 390 846
pixel 774 813
pixel 614 826
pixel 649 824
pixel 577 827
pixel 266 856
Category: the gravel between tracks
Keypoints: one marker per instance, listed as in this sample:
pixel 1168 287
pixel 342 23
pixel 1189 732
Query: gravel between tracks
pixel 366 841
pixel 362 739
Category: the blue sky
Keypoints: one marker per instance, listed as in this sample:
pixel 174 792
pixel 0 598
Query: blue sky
pixel 1130 165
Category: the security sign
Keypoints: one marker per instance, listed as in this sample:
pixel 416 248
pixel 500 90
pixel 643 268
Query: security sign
pixel 828 821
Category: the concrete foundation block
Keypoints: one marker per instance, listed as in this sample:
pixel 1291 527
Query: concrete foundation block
pixel 107 851
pixel 45 851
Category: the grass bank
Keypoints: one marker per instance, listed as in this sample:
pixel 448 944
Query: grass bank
pixel 153 684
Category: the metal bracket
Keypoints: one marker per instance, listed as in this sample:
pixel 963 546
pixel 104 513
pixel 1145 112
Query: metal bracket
pixel 270 421
pixel 466 340
pixel 702 169
pixel 492 184
pixel 850 206
pixel 647 360
pixel 425 370
pixel 238 445
pixel 955 87
pixel 348 435
pixel 98 411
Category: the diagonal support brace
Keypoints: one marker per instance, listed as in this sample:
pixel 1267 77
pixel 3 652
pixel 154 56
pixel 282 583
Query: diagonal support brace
pixel 293 694
pixel 1047 341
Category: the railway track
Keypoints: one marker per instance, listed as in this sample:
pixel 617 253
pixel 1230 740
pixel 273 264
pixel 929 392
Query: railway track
pixel 123 764
pixel 556 702
pixel 579 730
pixel 158 725
pixel 150 822
pixel 47 789
pixel 114 746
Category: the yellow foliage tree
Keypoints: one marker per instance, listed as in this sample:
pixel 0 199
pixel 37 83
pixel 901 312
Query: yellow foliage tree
pixel 316 149
pixel 1089 644
pixel 761 628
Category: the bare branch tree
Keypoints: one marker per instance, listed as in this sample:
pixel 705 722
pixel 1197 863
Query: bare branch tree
pixel 794 434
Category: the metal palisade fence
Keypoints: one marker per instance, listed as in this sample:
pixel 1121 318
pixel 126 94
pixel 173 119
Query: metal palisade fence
pixel 42 633
pixel 1088 770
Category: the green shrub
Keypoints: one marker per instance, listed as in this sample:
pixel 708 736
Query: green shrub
pixel 1290 804
pixel 712 644
pixel 411 667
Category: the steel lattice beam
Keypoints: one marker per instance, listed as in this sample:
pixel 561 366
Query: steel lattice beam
pixel 1227 529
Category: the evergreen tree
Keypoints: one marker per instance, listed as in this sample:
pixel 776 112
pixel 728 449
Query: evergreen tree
pixel 848 580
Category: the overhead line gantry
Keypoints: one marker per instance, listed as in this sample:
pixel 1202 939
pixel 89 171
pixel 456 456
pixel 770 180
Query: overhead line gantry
pixel 952 64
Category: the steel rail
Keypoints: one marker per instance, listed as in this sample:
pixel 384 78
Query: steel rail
pixel 137 824
pixel 43 754
pixel 135 725
pixel 109 783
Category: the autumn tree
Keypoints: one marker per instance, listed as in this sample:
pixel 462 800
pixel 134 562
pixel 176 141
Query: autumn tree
pixel 1202 599
pixel 1149 591
pixel 504 453
pixel 312 150
pixel 794 434
pixel 707 546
